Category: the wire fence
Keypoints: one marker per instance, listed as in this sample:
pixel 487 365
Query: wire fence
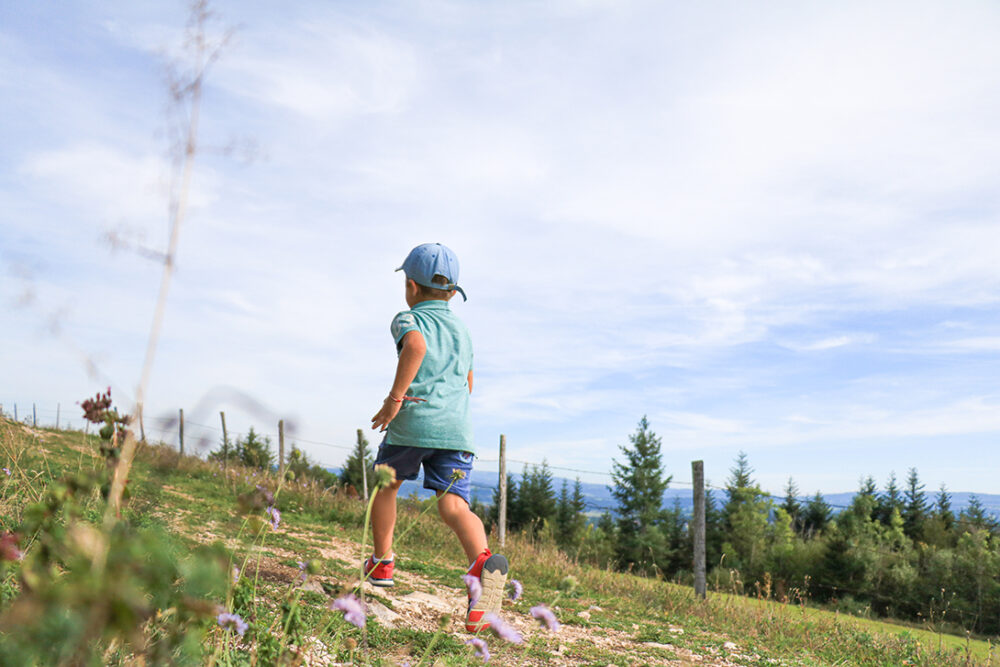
pixel 207 436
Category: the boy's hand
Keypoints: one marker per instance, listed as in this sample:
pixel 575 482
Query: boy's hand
pixel 390 409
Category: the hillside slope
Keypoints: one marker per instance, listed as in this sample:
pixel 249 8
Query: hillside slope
pixel 606 618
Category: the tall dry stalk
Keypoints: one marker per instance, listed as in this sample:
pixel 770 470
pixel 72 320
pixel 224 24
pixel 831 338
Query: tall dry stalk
pixel 187 96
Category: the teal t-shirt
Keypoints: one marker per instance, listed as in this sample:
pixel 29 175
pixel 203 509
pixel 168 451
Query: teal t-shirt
pixel 442 421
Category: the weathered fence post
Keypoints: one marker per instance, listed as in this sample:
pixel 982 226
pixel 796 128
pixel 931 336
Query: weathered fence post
pixel 142 425
pixel 34 416
pixel 58 407
pixel 225 441
pixel 698 528
pixel 180 432
pixel 15 412
pixel 364 467
pixel 281 448
pixel 502 514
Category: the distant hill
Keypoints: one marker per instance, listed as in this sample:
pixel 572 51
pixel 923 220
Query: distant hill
pixel 599 498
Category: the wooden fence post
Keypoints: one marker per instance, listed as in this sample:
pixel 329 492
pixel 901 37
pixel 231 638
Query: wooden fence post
pixel 34 416
pixel 502 514
pixel 142 425
pixel 58 407
pixel 15 412
pixel 281 448
pixel 181 432
pixel 698 532
pixel 225 441
pixel 364 467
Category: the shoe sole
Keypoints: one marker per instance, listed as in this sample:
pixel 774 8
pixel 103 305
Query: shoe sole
pixel 494 579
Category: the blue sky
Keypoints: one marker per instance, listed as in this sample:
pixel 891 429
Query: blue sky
pixel 771 231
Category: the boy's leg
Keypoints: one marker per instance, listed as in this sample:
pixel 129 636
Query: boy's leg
pixel 467 526
pixel 384 519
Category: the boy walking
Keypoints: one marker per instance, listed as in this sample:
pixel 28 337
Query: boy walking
pixel 425 418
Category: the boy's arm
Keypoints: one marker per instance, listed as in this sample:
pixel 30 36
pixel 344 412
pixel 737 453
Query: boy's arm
pixel 410 358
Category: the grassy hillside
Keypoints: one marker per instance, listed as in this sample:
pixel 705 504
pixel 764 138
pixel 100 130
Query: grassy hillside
pixel 607 618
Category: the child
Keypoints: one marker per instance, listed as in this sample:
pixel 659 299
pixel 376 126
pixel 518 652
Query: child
pixel 426 422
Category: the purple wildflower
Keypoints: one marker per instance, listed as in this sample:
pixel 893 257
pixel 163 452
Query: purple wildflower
pixel 268 496
pixel 503 630
pixel 232 622
pixel 482 651
pixel 275 516
pixel 236 574
pixel 353 610
pixel 515 589
pixel 545 616
pixel 475 588
pixel 302 569
pixel 7 471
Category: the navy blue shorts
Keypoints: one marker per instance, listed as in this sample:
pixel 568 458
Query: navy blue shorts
pixel 438 466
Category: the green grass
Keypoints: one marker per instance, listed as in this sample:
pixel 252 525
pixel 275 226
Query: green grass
pixel 191 498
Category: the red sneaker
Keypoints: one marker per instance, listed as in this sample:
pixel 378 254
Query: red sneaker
pixel 378 571
pixel 492 572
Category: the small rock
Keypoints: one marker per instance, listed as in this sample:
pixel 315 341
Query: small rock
pixel 383 615
pixel 594 607
pixel 658 645
pixel 585 615
pixel 675 630
pixel 312 586
pixel 730 646
pixel 427 600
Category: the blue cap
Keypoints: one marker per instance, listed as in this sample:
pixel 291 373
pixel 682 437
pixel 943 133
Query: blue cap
pixel 429 260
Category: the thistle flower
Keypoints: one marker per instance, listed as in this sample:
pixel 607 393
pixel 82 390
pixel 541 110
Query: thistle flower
pixel 475 587
pixel 8 547
pixel 544 615
pixel 275 516
pixel 502 630
pixel 482 651
pixel 515 589
pixel 457 474
pixel 353 610
pixel 233 622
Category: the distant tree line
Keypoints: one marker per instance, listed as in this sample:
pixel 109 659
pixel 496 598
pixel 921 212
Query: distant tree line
pixel 895 551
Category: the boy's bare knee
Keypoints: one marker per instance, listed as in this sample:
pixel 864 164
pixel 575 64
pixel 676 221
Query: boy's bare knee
pixel 451 506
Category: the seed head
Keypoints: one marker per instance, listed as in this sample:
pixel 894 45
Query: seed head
pixel 385 475
pixel 457 474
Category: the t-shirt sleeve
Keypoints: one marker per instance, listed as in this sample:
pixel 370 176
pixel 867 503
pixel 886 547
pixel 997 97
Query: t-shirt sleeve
pixel 402 324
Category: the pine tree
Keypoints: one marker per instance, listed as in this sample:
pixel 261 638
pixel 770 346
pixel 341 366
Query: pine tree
pixel 792 505
pixel 942 508
pixel 254 452
pixel 889 502
pixel 351 474
pixel 816 515
pixel 914 510
pixel 639 483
